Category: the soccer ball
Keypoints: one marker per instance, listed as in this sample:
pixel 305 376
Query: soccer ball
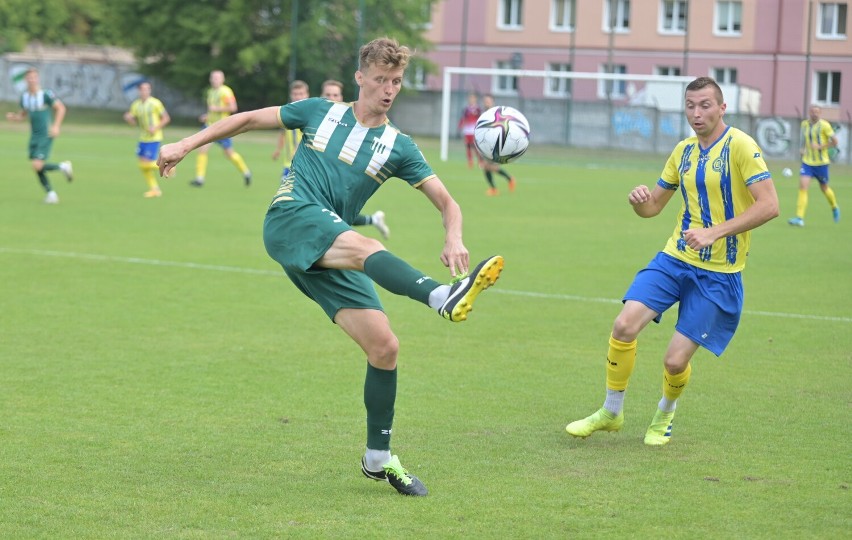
pixel 502 134
pixel 787 172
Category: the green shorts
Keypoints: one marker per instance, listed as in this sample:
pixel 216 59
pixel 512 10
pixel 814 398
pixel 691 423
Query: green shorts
pixel 296 235
pixel 40 147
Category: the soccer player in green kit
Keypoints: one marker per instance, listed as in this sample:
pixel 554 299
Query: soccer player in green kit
pixel 46 113
pixel 347 151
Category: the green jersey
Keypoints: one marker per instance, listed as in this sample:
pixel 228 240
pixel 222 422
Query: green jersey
pixel 39 107
pixel 339 163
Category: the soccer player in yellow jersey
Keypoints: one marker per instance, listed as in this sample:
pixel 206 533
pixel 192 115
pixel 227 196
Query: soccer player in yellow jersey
pixel 288 139
pixel 221 103
pixel 817 138
pixel 726 191
pixel 151 116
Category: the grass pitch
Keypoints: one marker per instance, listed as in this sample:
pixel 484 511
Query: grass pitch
pixel 162 378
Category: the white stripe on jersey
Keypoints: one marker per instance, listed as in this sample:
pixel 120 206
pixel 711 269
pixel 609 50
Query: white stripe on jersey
pixel 381 147
pixel 328 125
pixel 34 102
pixel 352 144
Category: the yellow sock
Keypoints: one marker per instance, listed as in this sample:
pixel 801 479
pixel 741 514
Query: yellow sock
pixel 619 363
pixel 201 166
pixel 237 160
pixel 802 203
pixel 829 194
pixel 148 168
pixel 673 385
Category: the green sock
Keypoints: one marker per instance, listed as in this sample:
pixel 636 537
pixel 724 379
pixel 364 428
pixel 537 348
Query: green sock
pixel 361 219
pixel 379 397
pixel 397 276
pixel 50 167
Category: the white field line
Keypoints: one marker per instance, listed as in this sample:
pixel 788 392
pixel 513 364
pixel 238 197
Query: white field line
pixel 254 271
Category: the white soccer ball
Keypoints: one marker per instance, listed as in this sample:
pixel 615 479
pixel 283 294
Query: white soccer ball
pixel 502 134
pixel 787 171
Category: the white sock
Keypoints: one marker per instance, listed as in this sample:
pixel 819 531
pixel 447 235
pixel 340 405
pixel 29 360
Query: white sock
pixel 438 296
pixel 375 459
pixel 666 405
pixel 614 401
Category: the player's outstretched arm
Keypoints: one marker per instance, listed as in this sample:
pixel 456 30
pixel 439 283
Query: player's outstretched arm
pixel 172 154
pixel 454 255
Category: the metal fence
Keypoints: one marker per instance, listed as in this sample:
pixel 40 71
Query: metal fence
pixel 615 126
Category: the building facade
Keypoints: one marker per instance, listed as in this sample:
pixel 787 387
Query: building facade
pixel 792 52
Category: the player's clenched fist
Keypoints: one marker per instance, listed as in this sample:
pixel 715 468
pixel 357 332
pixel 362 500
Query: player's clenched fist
pixel 639 195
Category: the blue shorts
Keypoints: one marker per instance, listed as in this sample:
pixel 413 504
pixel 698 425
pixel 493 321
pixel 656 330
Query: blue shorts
pixel 710 302
pixel 820 172
pixel 225 143
pixel 148 150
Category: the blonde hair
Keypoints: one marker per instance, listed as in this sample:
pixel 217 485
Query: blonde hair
pixel 383 52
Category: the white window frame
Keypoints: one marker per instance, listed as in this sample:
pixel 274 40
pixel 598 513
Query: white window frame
pixel 678 6
pixel 838 14
pixel 730 18
pixel 729 73
pixel 829 99
pixel 515 14
pixel 619 88
pixel 563 85
pixel 622 16
pixel 667 71
pixel 502 85
pixel 567 22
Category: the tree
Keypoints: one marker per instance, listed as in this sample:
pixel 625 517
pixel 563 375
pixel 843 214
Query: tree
pixel 56 22
pixel 181 41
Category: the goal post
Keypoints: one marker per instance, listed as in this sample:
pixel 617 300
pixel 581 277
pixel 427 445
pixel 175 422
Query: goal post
pixel 662 92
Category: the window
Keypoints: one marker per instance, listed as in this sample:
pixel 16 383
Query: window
pixel 555 86
pixel 729 18
pixel 673 17
pixel 724 75
pixel 667 71
pixel 504 84
pixel 613 89
pixel 620 12
pixel 510 14
pixel 827 87
pixel 832 20
pixel 561 15
pixel 426 14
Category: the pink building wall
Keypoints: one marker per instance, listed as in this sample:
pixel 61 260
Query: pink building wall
pixel 770 54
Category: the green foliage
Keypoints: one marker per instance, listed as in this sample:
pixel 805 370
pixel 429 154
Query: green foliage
pixel 252 41
pixel 57 22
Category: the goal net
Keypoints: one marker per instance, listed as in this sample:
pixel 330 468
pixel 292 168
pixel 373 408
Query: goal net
pixel 593 110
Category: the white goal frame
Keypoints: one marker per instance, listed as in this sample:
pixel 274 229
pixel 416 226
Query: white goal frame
pixel 446 92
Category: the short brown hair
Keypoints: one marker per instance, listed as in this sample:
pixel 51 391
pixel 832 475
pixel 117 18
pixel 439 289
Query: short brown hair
pixel 384 52
pixel 299 85
pixel 332 82
pixel 704 82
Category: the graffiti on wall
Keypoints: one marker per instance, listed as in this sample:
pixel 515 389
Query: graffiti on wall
pixel 774 136
pixel 102 86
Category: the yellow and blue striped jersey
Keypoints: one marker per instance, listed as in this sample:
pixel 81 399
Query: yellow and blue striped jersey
pixel 219 97
pixel 148 113
pixel 714 185
pixel 818 133
pixel 292 138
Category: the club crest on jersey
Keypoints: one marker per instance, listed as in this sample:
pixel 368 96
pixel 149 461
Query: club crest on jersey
pixel 378 146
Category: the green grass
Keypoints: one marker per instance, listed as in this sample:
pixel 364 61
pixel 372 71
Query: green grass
pixel 161 378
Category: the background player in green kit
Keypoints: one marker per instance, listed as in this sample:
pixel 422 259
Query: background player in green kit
pixel 40 105
pixel 347 151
